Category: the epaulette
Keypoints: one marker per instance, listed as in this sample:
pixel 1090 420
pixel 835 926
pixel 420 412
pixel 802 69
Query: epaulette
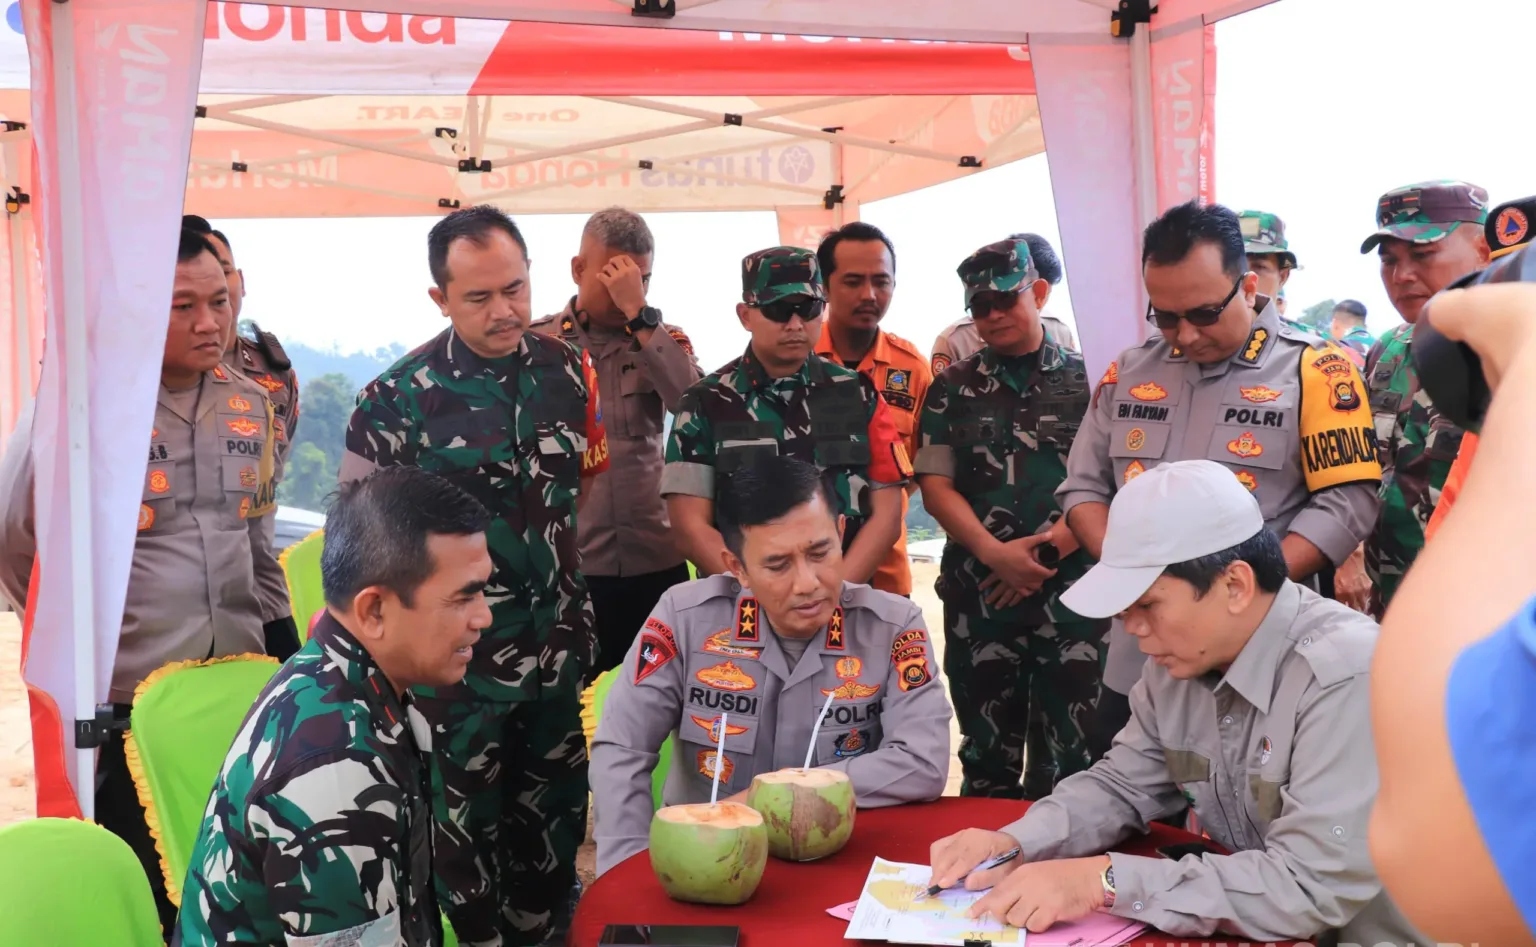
pixel 1300 333
pixel 696 593
pixel 1343 652
pixel 889 608
pixel 904 345
pixel 272 350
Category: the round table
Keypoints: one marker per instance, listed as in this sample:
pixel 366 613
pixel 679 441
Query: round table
pixel 790 906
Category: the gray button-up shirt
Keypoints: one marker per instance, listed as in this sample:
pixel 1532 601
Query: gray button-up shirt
pixel 1277 758
pixel 708 648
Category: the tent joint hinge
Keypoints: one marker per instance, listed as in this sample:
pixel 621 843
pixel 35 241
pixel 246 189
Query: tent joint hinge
pixel 660 9
pixel 731 118
pixel 448 203
pixel 15 198
pixel 240 166
pixel 833 197
pixel 200 112
pixel 441 132
pixel 833 129
pixel 646 164
pixel 970 161
pixel 92 733
pixel 475 165
pixel 1122 22
pixel 11 126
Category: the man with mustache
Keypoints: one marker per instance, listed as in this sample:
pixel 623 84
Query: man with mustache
pixel 780 398
pixel 1423 247
pixel 858 268
pixel 760 651
pixel 961 340
pixel 512 417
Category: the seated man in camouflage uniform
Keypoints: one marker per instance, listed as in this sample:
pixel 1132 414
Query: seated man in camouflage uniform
pixel 318 829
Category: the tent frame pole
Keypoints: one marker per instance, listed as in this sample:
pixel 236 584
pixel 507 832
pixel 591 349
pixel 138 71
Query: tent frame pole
pixel 1142 125
pixel 21 314
pixel 76 381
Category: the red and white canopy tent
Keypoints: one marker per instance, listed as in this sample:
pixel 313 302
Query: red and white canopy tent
pixel 725 104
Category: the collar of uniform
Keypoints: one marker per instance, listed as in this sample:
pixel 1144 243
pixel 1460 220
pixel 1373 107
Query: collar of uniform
pixel 1252 675
pixel 1254 351
pixel 878 354
pixel 466 362
pixel 363 673
pixel 753 375
pixel 1048 358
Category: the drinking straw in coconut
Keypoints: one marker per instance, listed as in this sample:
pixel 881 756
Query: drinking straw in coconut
pixel 714 791
pixel 811 750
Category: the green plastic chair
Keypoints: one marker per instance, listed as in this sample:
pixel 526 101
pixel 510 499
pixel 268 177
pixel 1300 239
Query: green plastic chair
pixel 301 566
pixel 70 883
pixel 592 701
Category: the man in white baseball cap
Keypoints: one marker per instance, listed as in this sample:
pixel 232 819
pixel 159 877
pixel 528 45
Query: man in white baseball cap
pixel 1254 709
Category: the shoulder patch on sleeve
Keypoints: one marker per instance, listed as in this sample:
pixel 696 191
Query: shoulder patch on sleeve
pixel 1111 374
pixel 1338 438
pixel 1341 651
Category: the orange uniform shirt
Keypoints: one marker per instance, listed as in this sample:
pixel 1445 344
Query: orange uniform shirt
pixel 1453 483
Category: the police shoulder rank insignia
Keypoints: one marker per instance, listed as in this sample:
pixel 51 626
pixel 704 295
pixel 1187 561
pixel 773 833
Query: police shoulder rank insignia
pixel 1248 480
pixel 708 764
pixel 747 620
pixel 910 656
pixel 1259 394
pixel 851 743
pixel 658 645
pixel 712 727
pixel 835 630
pixel 681 338
pixel 1149 391
pixel 720 643
pixel 567 326
pixel 1133 470
pixel 940 362
pixel 726 676
pixel 1246 446
pixel 1111 374
pixel 219 374
pixel 1255 346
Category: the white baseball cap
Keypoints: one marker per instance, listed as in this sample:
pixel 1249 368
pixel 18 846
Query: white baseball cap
pixel 1172 513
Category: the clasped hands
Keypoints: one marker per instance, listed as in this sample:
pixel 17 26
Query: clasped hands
pixel 1031 895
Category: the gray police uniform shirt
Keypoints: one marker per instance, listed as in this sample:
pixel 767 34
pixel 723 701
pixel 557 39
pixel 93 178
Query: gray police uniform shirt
pixel 1276 757
pixel 960 340
pixel 708 648
pixel 1286 414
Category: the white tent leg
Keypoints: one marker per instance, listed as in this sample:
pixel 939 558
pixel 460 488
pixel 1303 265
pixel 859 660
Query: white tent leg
pixel 1142 125
pixel 77 396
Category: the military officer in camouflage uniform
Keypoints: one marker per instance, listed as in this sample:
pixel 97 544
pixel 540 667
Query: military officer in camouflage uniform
pixel 1224 380
pixel 759 652
pixel 995 433
pixel 1423 248
pixel 258 356
pixel 960 339
pixel 780 398
pixel 512 418
pixel 1347 330
pixel 319 827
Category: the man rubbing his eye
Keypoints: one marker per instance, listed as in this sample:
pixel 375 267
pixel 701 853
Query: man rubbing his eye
pixel 1224 379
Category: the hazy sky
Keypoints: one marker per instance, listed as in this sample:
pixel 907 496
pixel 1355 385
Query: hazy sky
pixel 1321 106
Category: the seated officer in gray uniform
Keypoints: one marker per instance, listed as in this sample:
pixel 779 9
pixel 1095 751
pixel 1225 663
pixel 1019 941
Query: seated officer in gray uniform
pixel 1255 708
pixel 767 645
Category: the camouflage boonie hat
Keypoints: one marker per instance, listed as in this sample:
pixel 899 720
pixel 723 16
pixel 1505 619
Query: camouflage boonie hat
pixel 1427 212
pixel 780 272
pixel 1509 226
pixel 1264 234
pixel 1004 267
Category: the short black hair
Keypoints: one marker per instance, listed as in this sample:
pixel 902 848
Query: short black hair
pixel 763 492
pixel 193 245
pixel 858 232
pixel 376 531
pixel 1262 552
pixel 473 224
pixel 1351 306
pixel 1047 263
pixel 1171 237
pixel 202 226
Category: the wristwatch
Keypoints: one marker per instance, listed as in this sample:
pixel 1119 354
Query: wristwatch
pixel 649 317
pixel 1107 881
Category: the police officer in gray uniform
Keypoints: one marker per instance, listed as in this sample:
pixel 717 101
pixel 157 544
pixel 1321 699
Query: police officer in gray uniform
pixel 760 651
pixel 1224 380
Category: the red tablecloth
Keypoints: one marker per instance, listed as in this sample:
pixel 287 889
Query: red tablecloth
pixel 790 906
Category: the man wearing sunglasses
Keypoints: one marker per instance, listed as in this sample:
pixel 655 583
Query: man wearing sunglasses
pixel 1423 248
pixel 1225 380
pixel 961 339
pixel 995 430
pixel 781 399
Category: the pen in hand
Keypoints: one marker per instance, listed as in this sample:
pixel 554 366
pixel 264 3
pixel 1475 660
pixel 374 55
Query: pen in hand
pixel 987 865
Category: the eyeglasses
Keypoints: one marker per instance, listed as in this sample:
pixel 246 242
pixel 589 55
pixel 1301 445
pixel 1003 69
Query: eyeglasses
pixel 782 310
pixel 984 304
pixel 1204 316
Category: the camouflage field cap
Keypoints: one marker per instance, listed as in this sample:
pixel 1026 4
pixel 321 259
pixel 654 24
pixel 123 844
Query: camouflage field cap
pixel 1509 226
pixel 1427 212
pixel 1264 234
pixel 780 272
pixel 1004 266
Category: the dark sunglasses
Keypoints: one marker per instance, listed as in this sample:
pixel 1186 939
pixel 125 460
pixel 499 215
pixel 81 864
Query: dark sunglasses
pixel 782 310
pixel 984 304
pixel 1204 316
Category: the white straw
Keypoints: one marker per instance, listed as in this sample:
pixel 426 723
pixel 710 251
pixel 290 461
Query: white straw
pixel 714 791
pixel 811 750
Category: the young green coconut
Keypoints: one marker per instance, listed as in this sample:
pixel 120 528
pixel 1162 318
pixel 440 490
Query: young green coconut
pixel 709 854
pixel 809 812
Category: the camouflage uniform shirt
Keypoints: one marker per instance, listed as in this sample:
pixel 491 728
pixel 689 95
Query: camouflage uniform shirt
pixel 1001 427
pixel 1418 446
pixel 318 826
pixel 823 414
pixel 514 432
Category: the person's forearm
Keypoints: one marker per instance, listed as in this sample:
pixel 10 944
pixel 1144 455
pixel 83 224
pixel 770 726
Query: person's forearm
pixel 952 512
pixel 692 523
pixel 1088 522
pixel 876 537
pixel 1301 557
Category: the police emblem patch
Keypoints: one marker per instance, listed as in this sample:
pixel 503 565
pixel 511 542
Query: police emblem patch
pixel 726 676
pixel 1136 439
pixel 1133 470
pixel 238 403
pixel 244 427
pixel 897 379
pixel 1111 374
pixel 245 507
pixel 146 517
pixel 159 482
pixel 1511 226
pixel 940 362
pixel 851 743
pixel 1149 391
pixel 707 765
pixel 247 477
pixel 269 383
pixel 655 652
pixel 720 643
pixel 1245 446
pixel 712 727
pixel 1248 480
pixel 1259 394
pixel 1345 397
